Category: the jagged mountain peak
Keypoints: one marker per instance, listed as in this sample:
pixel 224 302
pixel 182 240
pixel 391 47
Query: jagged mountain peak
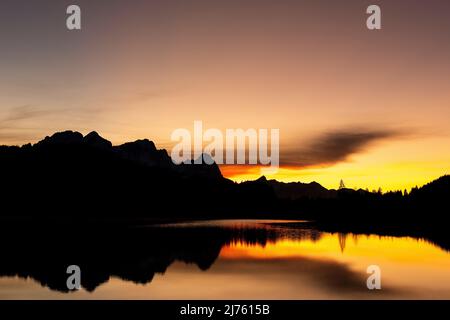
pixel 64 137
pixel 262 179
pixel 140 143
pixel 94 139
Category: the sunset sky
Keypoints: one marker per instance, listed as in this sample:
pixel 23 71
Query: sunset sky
pixel 369 107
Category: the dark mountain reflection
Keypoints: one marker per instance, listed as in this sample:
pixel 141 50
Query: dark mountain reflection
pixel 135 253
pixel 43 252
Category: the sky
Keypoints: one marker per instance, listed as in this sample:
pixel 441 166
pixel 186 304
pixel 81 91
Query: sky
pixel 369 107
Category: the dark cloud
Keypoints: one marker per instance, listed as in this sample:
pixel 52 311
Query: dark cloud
pixel 335 146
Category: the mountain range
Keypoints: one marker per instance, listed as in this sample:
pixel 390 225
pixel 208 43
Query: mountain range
pixel 71 175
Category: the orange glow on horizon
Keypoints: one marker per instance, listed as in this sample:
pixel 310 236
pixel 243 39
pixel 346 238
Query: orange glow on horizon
pixel 393 177
pixel 397 165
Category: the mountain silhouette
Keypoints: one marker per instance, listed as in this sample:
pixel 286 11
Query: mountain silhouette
pixel 298 190
pixel 74 199
pixel 67 174
pixel 86 177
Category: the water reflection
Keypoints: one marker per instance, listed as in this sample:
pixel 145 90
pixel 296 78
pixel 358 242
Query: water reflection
pixel 220 260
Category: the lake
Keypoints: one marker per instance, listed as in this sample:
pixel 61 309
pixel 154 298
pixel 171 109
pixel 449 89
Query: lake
pixel 232 259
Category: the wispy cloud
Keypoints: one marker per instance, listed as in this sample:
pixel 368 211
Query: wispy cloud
pixel 17 114
pixel 11 124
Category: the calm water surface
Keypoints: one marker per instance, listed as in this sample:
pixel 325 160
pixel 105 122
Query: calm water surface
pixel 272 260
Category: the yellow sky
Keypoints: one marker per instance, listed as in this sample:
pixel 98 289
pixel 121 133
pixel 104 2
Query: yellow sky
pixel 396 166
